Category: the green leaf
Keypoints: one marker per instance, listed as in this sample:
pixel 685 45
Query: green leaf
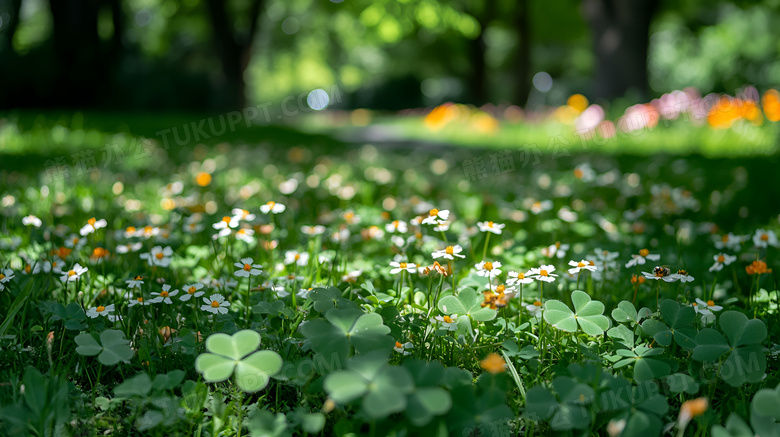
pixel 236 346
pixel 540 403
pixel 746 361
pixel 254 371
pixel 622 334
pixel 711 345
pixel 467 302
pixel 345 386
pixel 87 345
pixel 588 314
pixel 215 368
pixel 347 327
pixel 680 382
pixel 426 402
pixel 139 385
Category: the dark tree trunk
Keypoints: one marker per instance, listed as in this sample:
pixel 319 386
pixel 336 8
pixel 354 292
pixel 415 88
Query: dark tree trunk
pixel 478 86
pixel 9 28
pixel 621 34
pixel 234 50
pixel 523 73
pixel 82 71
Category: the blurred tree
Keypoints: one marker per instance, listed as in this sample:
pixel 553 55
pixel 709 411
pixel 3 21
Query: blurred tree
pixel 621 34
pixel 234 45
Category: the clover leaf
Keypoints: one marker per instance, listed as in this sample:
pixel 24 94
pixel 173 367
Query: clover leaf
pixel 680 325
pixel 344 328
pixel 113 347
pixel 383 388
pixel 467 302
pixel 231 353
pixel 645 366
pixel 746 361
pixel 72 315
pixel 627 313
pixel 587 313
pixel 566 411
pixel 326 299
pixel 427 399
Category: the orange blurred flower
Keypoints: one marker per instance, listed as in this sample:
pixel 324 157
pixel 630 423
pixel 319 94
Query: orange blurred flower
pixel 758 267
pixel 493 363
pixel 203 179
pixel 771 103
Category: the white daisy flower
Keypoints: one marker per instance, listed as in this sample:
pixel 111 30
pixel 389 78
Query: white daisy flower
pixel 75 242
pixel 701 305
pixel 158 256
pixel 543 273
pixel 449 252
pixel 436 217
pixel 245 235
pixel 295 257
pixel 660 273
pixel 442 227
pixel 396 226
pixel 352 276
pixel 272 207
pixel 518 278
pixel 215 303
pixel 722 260
pixel 73 274
pixel 5 276
pixel 137 301
pixel 191 290
pixel 399 267
pixel 641 258
pixel 449 323
pixel 315 230
pixel 555 250
pixel 402 348
pixel 541 206
pixel 193 226
pixel 243 215
pixel 136 282
pixel 682 276
pixel 495 228
pixel 165 295
pixel 92 226
pixel 488 269
pixel 579 266
pixel 730 241
pixel 129 247
pixel 351 218
pixel 247 268
pixel 100 311
pixel 763 238
pixel 32 220
pixel 225 225
pixel 148 232
pixel 535 309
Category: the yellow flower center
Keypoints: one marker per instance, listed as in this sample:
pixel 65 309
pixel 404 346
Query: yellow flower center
pixel 725 239
pixel 27 268
pixel 138 278
pixel 226 219
pixel 557 244
pixel 2 276
pixel 349 215
pixel 247 267
pixel 764 237
pixel 297 256
pixel 682 272
pixel 591 263
pixel 500 289
pixel 130 229
pixel 399 345
pixel 721 258
pixel 644 252
pixel 544 273
pixel 159 255
pixel 192 290
pixel 449 250
pixel 163 293
pixel 396 223
pixel 580 264
pixel 214 304
pixel 434 212
pixel 100 309
pixel 148 229
pixel 488 266
pixel 536 205
pixel 92 221
pixel 490 224
pixel 521 276
pixel 140 300
pixel 710 303
pixel 71 272
pixel 537 303
pixel 447 319
pixel 402 265
pixel 75 240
